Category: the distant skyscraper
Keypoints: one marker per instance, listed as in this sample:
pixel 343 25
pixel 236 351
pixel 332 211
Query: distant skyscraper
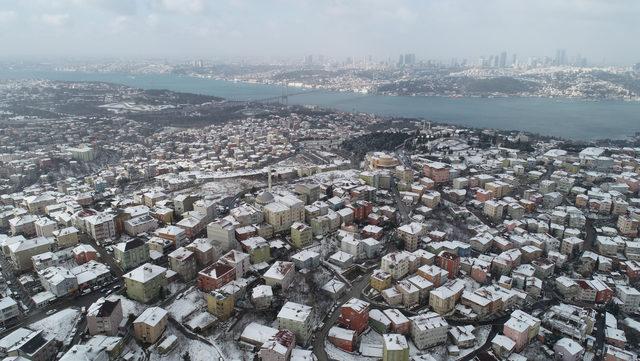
pixel 409 59
pixel 561 57
pixel 308 60
pixel 503 59
pixel 514 60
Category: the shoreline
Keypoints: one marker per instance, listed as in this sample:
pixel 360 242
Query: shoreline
pixel 320 88
pixel 566 118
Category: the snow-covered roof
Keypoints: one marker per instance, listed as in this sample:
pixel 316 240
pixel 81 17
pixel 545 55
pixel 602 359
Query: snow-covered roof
pixel 395 342
pixel 341 333
pixel 279 270
pixel 145 273
pixel 257 333
pixel 295 311
pixel 152 316
pixel 570 346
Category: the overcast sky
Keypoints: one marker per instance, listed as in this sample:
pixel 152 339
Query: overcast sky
pixel 598 29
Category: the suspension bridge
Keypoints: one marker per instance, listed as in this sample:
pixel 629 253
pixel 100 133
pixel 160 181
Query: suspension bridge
pixel 283 98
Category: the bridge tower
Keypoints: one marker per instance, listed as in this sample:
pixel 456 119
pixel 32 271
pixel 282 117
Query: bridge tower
pixel 284 97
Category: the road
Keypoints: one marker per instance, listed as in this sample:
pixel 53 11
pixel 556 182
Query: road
pixel 495 329
pixel 76 301
pixel 321 335
pixel 403 208
pixel 15 286
pixel 105 257
pixel 72 301
pixel 600 325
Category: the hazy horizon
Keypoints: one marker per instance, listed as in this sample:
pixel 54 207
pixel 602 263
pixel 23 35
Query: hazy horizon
pixel 601 31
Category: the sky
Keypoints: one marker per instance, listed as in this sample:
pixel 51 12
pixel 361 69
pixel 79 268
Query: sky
pixel 602 30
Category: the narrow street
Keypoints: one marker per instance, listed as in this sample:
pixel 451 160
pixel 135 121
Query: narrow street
pixel 72 301
pixel 105 257
pixel 321 335
pixel 403 208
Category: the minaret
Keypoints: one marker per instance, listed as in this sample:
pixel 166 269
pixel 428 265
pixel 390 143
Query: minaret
pixel 269 182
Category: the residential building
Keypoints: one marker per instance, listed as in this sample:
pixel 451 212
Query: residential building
pixel 183 262
pixel 45 227
pixel 352 246
pixel 131 254
pixel 223 231
pixel 281 274
pixel 343 338
pixel 394 347
pixel 175 234
pixel 241 262
pixel 567 349
pixel 428 330
pixel 257 248
pixel 570 320
pixel 100 226
pixel 85 353
pixel 379 321
pixel 91 274
pixel 399 322
pixel 306 259
pixel 9 312
pixel 296 318
pixel 627 226
pixel 462 336
pixel 145 283
pixel 34 346
pixel 410 293
pixel 66 237
pixel 262 297
pixel 23 225
pixel 380 280
pixel 449 262
pixel 396 264
pixel 220 304
pixel 140 224
pixel 629 297
pixel 204 252
pixel 443 299
pixel 411 234
pixel 301 235
pixel 59 281
pixel 354 315
pixel 215 276
pixel 22 250
pixel 278 348
pixel 150 325
pixel 104 317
